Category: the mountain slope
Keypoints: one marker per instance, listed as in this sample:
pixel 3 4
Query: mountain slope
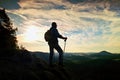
pixel 24 66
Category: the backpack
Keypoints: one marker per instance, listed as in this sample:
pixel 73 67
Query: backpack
pixel 47 36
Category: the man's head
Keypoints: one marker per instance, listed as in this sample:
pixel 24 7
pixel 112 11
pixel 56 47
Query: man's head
pixel 54 24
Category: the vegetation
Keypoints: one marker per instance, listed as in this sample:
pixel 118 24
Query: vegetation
pixel 8 40
pixel 92 66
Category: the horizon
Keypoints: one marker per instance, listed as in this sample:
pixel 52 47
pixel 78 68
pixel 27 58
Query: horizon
pixel 87 24
pixel 74 52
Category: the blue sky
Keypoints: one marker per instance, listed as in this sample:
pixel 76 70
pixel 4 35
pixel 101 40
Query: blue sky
pixel 91 26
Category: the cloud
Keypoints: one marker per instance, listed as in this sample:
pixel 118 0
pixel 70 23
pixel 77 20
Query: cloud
pixel 9 4
pixel 16 18
pixel 75 1
pixel 45 4
pixel 89 26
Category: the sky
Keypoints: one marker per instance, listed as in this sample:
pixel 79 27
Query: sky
pixel 90 25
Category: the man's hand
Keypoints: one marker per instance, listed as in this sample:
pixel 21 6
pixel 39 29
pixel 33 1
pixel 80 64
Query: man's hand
pixel 65 38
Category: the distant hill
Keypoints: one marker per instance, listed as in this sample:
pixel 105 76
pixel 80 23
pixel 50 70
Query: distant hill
pixel 89 66
pixel 101 54
pixel 74 56
pixel 104 53
pixel 95 66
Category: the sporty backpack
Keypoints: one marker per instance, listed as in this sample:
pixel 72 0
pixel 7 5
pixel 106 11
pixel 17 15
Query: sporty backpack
pixel 47 35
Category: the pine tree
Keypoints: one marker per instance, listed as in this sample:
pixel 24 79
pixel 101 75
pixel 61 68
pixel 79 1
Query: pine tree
pixel 8 40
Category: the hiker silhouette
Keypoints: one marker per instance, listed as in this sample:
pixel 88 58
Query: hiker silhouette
pixel 53 44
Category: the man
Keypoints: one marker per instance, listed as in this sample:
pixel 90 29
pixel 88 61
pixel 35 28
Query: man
pixel 53 44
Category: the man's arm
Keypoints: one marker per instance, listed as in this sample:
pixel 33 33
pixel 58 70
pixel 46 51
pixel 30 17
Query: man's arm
pixel 60 36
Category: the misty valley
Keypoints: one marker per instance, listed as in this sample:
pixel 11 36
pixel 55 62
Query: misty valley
pixel 89 66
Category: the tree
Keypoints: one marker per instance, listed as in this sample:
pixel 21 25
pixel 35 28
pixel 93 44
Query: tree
pixel 8 40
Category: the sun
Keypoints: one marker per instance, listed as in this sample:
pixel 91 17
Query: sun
pixel 31 34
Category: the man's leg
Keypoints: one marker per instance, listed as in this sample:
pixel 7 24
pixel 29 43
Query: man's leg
pixel 60 51
pixel 51 55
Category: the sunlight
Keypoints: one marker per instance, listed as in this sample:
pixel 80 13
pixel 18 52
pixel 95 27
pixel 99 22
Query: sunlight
pixel 31 34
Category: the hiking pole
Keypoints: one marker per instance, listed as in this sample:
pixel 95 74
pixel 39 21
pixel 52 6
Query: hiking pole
pixel 64 45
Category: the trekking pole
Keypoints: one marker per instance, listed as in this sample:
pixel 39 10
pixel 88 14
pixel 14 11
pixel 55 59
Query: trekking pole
pixel 64 45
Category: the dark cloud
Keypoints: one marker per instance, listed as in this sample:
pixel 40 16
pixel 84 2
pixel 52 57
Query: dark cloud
pixel 99 5
pixel 62 7
pixel 115 5
pixel 84 10
pixel 45 5
pixel 78 1
pixel 52 5
pixel 93 1
pixel 75 1
pixel 9 4
pixel 81 1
